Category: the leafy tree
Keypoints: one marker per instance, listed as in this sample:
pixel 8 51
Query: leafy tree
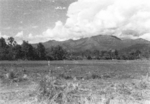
pixel 17 52
pixel 3 49
pixel 2 43
pixel 3 54
pixel 28 51
pixel 134 54
pixel 11 42
pixel 113 54
pixel 145 53
pixel 96 54
pixel 41 52
pixel 58 53
pixel 105 55
pixel 88 54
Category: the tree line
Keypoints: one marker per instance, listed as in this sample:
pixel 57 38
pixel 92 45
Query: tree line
pixel 10 50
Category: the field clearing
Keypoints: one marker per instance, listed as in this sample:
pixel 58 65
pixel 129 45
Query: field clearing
pixel 80 68
pixel 96 81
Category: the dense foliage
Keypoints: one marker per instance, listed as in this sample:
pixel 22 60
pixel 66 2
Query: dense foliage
pixel 10 50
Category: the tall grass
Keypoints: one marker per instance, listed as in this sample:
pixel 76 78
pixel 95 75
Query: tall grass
pixel 52 90
pixel 57 91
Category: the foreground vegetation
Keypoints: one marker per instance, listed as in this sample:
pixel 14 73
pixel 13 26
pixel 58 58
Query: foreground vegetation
pixel 79 82
pixel 10 50
pixel 97 92
pixel 52 90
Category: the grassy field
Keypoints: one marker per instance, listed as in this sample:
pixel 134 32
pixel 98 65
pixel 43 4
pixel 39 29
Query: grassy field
pixel 80 69
pixel 75 82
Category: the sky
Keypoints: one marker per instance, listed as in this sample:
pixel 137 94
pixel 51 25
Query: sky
pixel 43 20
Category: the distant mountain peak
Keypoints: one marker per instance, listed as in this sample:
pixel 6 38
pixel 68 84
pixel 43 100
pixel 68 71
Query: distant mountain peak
pixel 99 42
pixel 116 37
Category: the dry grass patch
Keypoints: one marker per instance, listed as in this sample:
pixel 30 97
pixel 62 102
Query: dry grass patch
pixel 56 91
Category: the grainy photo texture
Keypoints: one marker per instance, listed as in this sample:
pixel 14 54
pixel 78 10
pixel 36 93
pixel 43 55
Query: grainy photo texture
pixel 74 51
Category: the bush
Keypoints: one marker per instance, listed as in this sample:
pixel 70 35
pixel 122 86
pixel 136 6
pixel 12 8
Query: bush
pixel 46 88
pixel 65 76
pixel 55 91
pixel 92 76
pixel 11 75
pixel 143 83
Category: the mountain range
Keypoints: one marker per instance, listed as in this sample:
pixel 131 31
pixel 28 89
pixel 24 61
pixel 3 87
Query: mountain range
pixel 99 42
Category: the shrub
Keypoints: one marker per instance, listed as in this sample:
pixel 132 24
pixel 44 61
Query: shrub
pixel 143 83
pixel 55 91
pixel 65 76
pixel 92 76
pixel 46 88
pixel 10 75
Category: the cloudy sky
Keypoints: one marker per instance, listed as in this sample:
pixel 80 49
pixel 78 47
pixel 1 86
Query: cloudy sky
pixel 43 20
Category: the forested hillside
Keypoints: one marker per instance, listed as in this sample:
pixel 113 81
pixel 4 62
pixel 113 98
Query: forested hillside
pixel 94 48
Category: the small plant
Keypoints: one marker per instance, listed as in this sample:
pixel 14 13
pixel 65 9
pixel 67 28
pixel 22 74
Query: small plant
pixel 11 75
pixel 95 76
pixel 92 76
pixel 65 76
pixel 46 88
pixel 143 83
pixel 55 91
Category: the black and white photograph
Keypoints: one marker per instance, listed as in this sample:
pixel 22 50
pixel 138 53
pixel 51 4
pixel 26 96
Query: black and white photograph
pixel 74 51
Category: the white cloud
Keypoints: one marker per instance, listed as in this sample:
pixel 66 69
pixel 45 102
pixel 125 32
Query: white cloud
pixel 60 8
pixel 59 32
pixel 34 27
pixel 101 16
pixel 19 34
pixel 123 18
pixel 4 36
pixel 19 37
pixel 146 36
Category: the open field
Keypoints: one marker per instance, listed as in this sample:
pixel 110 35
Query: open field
pixel 80 69
pixel 81 82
